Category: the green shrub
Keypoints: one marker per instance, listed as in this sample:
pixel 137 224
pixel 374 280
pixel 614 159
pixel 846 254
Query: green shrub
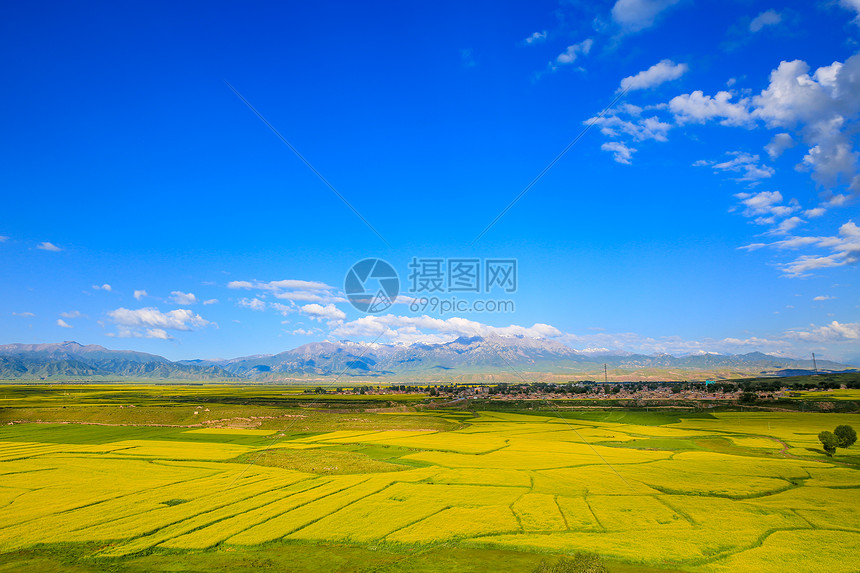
pixel 845 435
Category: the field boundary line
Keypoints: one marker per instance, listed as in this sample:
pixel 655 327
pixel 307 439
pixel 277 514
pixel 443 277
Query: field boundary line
pixel 411 523
pixel 563 516
pixel 794 510
pixel 684 514
pixel 341 508
pixel 515 514
pixel 594 515
pixel 759 541
pixel 297 507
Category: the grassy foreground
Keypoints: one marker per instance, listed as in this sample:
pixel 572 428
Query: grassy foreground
pixel 278 487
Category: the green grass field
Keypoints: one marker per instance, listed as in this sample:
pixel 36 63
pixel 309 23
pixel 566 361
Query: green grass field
pixel 842 394
pixel 89 483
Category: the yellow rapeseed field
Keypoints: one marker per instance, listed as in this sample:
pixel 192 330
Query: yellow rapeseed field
pixel 708 494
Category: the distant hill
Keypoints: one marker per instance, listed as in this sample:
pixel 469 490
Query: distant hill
pixel 467 358
pixel 510 357
pixel 70 360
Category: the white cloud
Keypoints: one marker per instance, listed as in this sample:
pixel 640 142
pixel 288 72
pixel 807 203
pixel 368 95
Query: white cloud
pixel 46 246
pixel 852 5
pixel 818 109
pixel 183 298
pixel 696 107
pixel 294 290
pixel 71 314
pixel 304 332
pixel 639 129
pixel 104 287
pixel 629 341
pixel 830 159
pixel 850 231
pixel 823 297
pixel 24 314
pixel 328 312
pixel 661 72
pixel 802 265
pixel 626 120
pixel 779 143
pixel 536 38
pixel 3 238
pixel 158 333
pixel 833 332
pixel 63 323
pixel 403 330
pixel 210 301
pixel 637 15
pixel 787 225
pixel 844 250
pixel 620 152
pixel 139 294
pixel 152 323
pixel 793 96
pixel 411 329
pixel 284 309
pixel 745 164
pixel 822 108
pixel 766 206
pixel 573 52
pixel 839 200
pixel 759 203
pixel 252 303
pixel 766 18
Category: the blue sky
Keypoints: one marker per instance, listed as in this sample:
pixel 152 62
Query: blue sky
pixel 713 207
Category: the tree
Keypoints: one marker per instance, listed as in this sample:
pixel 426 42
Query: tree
pixel 578 563
pixel 748 398
pixel 829 441
pixel 845 435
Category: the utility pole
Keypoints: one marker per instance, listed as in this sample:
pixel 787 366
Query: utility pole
pixel 605 375
pixel 814 364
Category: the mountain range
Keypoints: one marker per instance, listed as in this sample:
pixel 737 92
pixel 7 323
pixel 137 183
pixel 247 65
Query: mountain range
pixel 70 360
pixel 476 358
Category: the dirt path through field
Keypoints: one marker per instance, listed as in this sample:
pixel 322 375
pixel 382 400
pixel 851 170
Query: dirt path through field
pixel 785 448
